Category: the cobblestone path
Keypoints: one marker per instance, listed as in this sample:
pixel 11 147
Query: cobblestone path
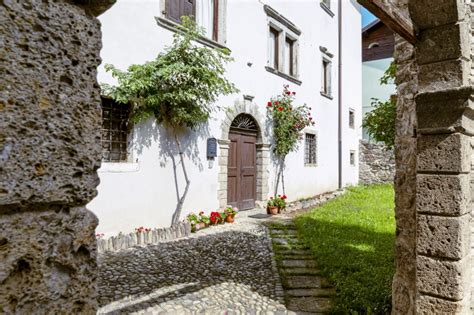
pixel 221 270
pixel 305 289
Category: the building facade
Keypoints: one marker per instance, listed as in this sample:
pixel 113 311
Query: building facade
pixel 378 43
pixel 273 43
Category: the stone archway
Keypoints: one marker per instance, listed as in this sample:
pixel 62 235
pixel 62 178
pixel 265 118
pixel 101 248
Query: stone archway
pixel 262 146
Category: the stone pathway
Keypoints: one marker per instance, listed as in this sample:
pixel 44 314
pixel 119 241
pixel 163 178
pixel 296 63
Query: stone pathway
pixel 227 269
pixel 305 290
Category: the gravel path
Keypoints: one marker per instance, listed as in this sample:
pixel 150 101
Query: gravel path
pixel 225 269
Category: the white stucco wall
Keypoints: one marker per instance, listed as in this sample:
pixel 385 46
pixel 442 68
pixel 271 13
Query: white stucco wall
pixel 143 193
pixel 372 71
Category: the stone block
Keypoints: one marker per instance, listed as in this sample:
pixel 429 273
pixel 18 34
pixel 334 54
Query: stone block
pixel 444 153
pixel 442 12
pixel 447 74
pixel 443 194
pixel 444 278
pixel 445 237
pixel 429 305
pixel 48 261
pixel 448 42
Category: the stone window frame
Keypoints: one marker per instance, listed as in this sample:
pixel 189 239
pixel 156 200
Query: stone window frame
pixel 306 163
pixel 165 22
pixel 245 106
pixel 326 76
pixel 326 6
pixel 286 29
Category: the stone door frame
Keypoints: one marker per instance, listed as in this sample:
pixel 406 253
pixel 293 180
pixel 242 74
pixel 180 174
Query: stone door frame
pixel 263 151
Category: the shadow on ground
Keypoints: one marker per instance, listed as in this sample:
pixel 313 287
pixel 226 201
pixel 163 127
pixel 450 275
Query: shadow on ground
pixel 168 271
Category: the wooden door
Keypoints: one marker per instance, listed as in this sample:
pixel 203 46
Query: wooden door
pixel 242 170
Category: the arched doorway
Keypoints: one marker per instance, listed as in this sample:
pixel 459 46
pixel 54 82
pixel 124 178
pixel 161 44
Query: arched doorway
pixel 242 163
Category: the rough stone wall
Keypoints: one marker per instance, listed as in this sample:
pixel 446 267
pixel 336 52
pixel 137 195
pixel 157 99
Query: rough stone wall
pixel 376 163
pixel 49 154
pixel 445 126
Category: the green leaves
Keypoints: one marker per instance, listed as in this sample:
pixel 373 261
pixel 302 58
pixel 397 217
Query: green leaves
pixel 380 122
pixel 179 86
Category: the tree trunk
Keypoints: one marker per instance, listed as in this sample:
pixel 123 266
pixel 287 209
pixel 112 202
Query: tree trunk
pixel 179 206
pixel 280 175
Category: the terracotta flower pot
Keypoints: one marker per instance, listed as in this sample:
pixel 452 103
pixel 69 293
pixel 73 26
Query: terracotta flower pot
pixel 272 210
pixel 229 218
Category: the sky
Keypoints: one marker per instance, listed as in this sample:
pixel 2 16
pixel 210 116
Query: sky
pixel 367 17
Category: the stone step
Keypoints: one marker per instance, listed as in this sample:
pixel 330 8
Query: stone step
pixel 283 232
pixel 294 247
pixel 286 241
pixel 298 263
pixel 296 252
pixel 305 282
pixel 301 271
pixel 309 304
pixel 291 256
pixel 328 292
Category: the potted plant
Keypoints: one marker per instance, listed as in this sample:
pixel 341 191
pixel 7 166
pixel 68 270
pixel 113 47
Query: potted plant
pixel 216 218
pixel 230 214
pixel 275 205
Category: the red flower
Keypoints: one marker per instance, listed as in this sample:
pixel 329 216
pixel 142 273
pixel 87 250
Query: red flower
pixel 288 92
pixel 294 93
pixel 283 197
pixel 269 104
pixel 280 109
pixel 310 118
pixel 276 103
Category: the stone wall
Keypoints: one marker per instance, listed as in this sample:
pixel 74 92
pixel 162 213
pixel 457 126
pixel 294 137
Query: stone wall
pixel 49 154
pixel 376 163
pixel 154 236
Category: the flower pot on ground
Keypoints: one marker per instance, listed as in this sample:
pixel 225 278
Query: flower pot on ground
pixel 230 213
pixel 276 205
pixel 198 222
pixel 216 218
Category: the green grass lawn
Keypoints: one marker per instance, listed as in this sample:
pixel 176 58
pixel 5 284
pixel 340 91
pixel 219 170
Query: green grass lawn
pixel 352 238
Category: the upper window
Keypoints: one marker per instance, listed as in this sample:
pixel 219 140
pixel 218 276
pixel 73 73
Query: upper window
pixel 115 118
pixel 310 149
pixel 326 70
pixel 282 46
pixel 206 13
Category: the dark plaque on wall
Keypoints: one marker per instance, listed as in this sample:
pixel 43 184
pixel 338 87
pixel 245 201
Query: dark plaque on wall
pixel 211 148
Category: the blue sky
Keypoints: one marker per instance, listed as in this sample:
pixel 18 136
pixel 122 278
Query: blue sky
pixel 367 17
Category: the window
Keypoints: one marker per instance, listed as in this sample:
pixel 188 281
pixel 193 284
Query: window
pixel 326 77
pixel 352 157
pixel 290 56
pixel 175 9
pixel 282 46
pixel 114 130
pixel 310 150
pixel 351 118
pixel 208 12
pixel 273 56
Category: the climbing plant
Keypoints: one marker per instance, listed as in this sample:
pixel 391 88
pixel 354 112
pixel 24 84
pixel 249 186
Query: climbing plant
pixel 380 122
pixel 288 121
pixel 177 89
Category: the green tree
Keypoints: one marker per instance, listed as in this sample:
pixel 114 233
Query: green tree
pixel 287 121
pixel 380 122
pixel 178 88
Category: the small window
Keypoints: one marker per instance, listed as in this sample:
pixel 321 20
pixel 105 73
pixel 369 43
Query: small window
pixel 273 56
pixel 208 17
pixel 352 158
pixel 310 153
pixel 290 57
pixel 326 3
pixel 326 78
pixel 114 130
pixel 175 9
pixel 351 119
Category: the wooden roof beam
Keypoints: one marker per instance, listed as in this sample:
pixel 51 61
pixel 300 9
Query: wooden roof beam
pixel 391 16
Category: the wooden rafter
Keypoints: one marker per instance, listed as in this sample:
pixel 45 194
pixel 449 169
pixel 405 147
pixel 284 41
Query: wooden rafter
pixel 391 16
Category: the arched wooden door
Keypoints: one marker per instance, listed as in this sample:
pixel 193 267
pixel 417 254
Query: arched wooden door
pixel 242 163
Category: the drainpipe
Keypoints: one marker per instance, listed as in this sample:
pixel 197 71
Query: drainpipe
pixel 339 91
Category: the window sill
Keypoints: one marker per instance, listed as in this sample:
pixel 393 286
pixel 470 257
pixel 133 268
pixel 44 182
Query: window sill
pixel 310 165
pixel 327 9
pixel 327 96
pixel 119 167
pixel 283 75
pixel 175 27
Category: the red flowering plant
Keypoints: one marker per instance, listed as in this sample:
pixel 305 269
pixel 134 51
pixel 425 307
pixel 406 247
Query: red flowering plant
pixel 288 121
pixel 142 229
pixel 216 218
pixel 279 202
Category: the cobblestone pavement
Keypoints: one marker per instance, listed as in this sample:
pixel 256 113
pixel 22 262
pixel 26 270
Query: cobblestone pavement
pixel 225 269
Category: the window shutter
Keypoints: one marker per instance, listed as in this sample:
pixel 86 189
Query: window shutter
pixel 189 8
pixel 329 78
